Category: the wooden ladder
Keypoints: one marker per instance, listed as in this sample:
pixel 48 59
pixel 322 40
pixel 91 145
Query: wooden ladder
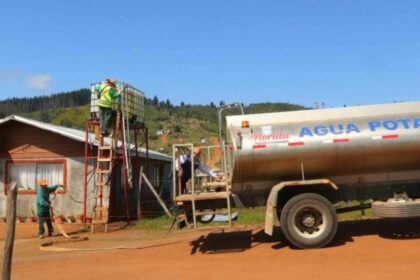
pixel 103 184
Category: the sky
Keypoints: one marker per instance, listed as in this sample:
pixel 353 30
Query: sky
pixel 332 52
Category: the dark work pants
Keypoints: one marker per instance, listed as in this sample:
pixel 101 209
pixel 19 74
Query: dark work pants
pixel 41 221
pixel 106 117
pixel 184 185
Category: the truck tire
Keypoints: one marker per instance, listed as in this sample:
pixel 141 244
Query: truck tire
pixel 308 220
pixel 396 209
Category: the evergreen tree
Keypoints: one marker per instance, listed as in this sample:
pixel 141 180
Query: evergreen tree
pixel 155 101
pixel 168 104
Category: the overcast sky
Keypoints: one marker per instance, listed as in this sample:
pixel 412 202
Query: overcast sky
pixel 336 52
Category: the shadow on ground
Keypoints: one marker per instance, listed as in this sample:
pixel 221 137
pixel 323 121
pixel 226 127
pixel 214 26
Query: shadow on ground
pixel 242 240
pixel 235 241
pixel 408 228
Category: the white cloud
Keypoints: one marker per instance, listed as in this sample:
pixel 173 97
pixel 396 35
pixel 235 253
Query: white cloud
pixel 38 82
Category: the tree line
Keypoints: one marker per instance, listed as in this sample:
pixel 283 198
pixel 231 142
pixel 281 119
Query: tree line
pixel 40 103
pixel 48 103
pixel 23 105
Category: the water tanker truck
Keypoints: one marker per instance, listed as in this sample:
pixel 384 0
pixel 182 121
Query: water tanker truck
pixel 306 166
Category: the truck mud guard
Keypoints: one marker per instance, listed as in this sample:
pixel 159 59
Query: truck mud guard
pixel 272 199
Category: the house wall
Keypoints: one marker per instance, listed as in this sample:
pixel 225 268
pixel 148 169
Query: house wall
pixel 18 140
pixel 69 203
pixel 149 204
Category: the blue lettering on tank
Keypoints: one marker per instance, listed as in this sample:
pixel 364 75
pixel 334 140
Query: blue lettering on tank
pixel 338 131
pixel 352 128
pixel 390 125
pixel 373 125
pixel 305 131
pixel 416 123
pixel 405 123
pixel 320 130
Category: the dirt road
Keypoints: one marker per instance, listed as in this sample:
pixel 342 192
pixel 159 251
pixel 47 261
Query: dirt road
pixel 366 249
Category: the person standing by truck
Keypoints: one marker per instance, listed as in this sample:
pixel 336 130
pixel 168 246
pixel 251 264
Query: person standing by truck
pixel 184 168
pixel 107 93
pixel 43 207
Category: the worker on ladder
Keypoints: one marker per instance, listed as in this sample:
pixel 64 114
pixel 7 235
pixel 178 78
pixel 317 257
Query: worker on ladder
pixel 107 93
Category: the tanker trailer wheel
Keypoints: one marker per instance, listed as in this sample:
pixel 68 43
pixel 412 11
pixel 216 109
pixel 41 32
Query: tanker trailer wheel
pixel 308 220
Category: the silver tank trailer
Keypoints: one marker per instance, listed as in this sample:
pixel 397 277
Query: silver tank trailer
pixel 370 144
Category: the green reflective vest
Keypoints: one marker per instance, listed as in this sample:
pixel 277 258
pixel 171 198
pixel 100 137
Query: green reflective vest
pixel 108 95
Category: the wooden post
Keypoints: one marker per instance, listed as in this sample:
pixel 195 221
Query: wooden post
pixel 152 189
pixel 10 234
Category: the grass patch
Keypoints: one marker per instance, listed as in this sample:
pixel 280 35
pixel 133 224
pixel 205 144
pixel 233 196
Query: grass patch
pixel 355 215
pixel 155 223
pixel 250 216
pixel 246 216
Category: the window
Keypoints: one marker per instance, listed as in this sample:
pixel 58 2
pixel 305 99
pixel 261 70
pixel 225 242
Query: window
pixel 27 174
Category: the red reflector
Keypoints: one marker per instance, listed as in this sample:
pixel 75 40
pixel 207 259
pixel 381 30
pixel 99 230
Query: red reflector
pixel 296 143
pixel 390 136
pixel 259 146
pixel 341 140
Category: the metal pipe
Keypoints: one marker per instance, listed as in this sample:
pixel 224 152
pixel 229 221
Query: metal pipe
pixel 221 140
pixel 127 211
pixel 86 173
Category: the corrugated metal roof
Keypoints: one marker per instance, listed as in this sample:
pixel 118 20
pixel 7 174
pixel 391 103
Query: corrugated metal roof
pixel 77 135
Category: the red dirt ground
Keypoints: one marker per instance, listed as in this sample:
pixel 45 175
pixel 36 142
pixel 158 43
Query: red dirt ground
pixel 365 249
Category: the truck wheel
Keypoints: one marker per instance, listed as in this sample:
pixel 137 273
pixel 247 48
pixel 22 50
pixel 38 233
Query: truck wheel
pixel 308 221
pixel 396 208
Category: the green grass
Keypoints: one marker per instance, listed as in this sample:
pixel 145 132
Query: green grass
pixel 157 223
pixel 250 216
pixel 256 216
pixel 247 216
pixel 354 215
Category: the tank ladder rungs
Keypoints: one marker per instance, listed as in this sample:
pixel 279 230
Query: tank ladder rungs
pixel 103 171
pixel 104 159
pixel 105 148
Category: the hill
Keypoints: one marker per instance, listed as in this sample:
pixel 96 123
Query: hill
pixel 167 123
